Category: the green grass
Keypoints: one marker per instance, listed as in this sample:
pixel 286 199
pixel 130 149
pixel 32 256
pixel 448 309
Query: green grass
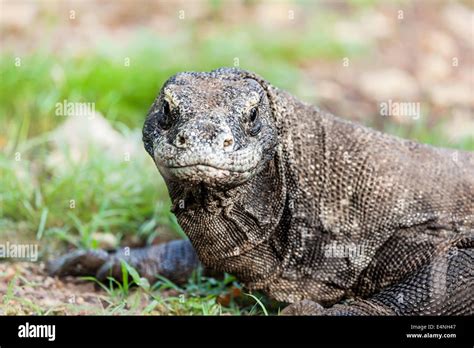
pixel 97 195
pixel 134 295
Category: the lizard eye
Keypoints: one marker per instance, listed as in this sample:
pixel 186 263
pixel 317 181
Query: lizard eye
pixel 253 114
pixel 164 117
pixel 255 124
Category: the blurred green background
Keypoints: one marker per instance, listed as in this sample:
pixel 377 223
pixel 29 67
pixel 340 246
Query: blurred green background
pixel 86 182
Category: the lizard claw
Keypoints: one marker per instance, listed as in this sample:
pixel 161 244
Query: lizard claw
pixel 97 263
pixel 175 260
pixel 111 268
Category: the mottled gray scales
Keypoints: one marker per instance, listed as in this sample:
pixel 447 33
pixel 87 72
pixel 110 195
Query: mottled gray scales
pixel 334 217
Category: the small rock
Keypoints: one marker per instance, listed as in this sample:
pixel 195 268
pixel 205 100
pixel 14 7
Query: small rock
pixel 48 282
pixel 105 240
pixel 388 84
pixel 50 302
pixel 458 18
pixel 441 43
pixel 451 94
pixel 9 274
pixel 73 139
pixel 434 69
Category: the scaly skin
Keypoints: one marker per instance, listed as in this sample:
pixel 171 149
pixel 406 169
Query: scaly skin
pixel 331 216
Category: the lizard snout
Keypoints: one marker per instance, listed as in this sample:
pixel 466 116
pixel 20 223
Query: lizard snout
pixel 205 135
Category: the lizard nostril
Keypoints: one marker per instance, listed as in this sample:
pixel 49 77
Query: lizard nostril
pixel 181 141
pixel 228 142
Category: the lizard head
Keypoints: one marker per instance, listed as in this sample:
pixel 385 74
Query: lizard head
pixel 213 129
pixel 214 137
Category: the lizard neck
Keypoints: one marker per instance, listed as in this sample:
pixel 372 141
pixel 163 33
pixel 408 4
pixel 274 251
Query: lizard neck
pixel 231 229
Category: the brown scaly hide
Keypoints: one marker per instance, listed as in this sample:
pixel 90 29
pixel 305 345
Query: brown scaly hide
pixel 314 210
pixel 334 184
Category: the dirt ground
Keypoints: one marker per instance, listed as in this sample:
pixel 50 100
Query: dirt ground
pixel 31 288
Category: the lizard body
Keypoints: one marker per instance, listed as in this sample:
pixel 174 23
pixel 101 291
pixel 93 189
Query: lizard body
pixel 312 209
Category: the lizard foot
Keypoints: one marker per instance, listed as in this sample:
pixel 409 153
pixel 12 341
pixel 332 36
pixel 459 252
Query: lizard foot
pixel 174 260
pixel 77 263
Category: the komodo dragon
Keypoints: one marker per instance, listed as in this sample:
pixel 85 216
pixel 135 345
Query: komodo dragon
pixel 330 216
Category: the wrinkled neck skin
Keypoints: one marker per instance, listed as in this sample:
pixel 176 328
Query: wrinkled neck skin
pixel 231 229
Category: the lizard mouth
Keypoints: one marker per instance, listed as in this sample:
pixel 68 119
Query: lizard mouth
pixel 204 167
pixel 201 168
pixel 207 174
pixel 210 167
